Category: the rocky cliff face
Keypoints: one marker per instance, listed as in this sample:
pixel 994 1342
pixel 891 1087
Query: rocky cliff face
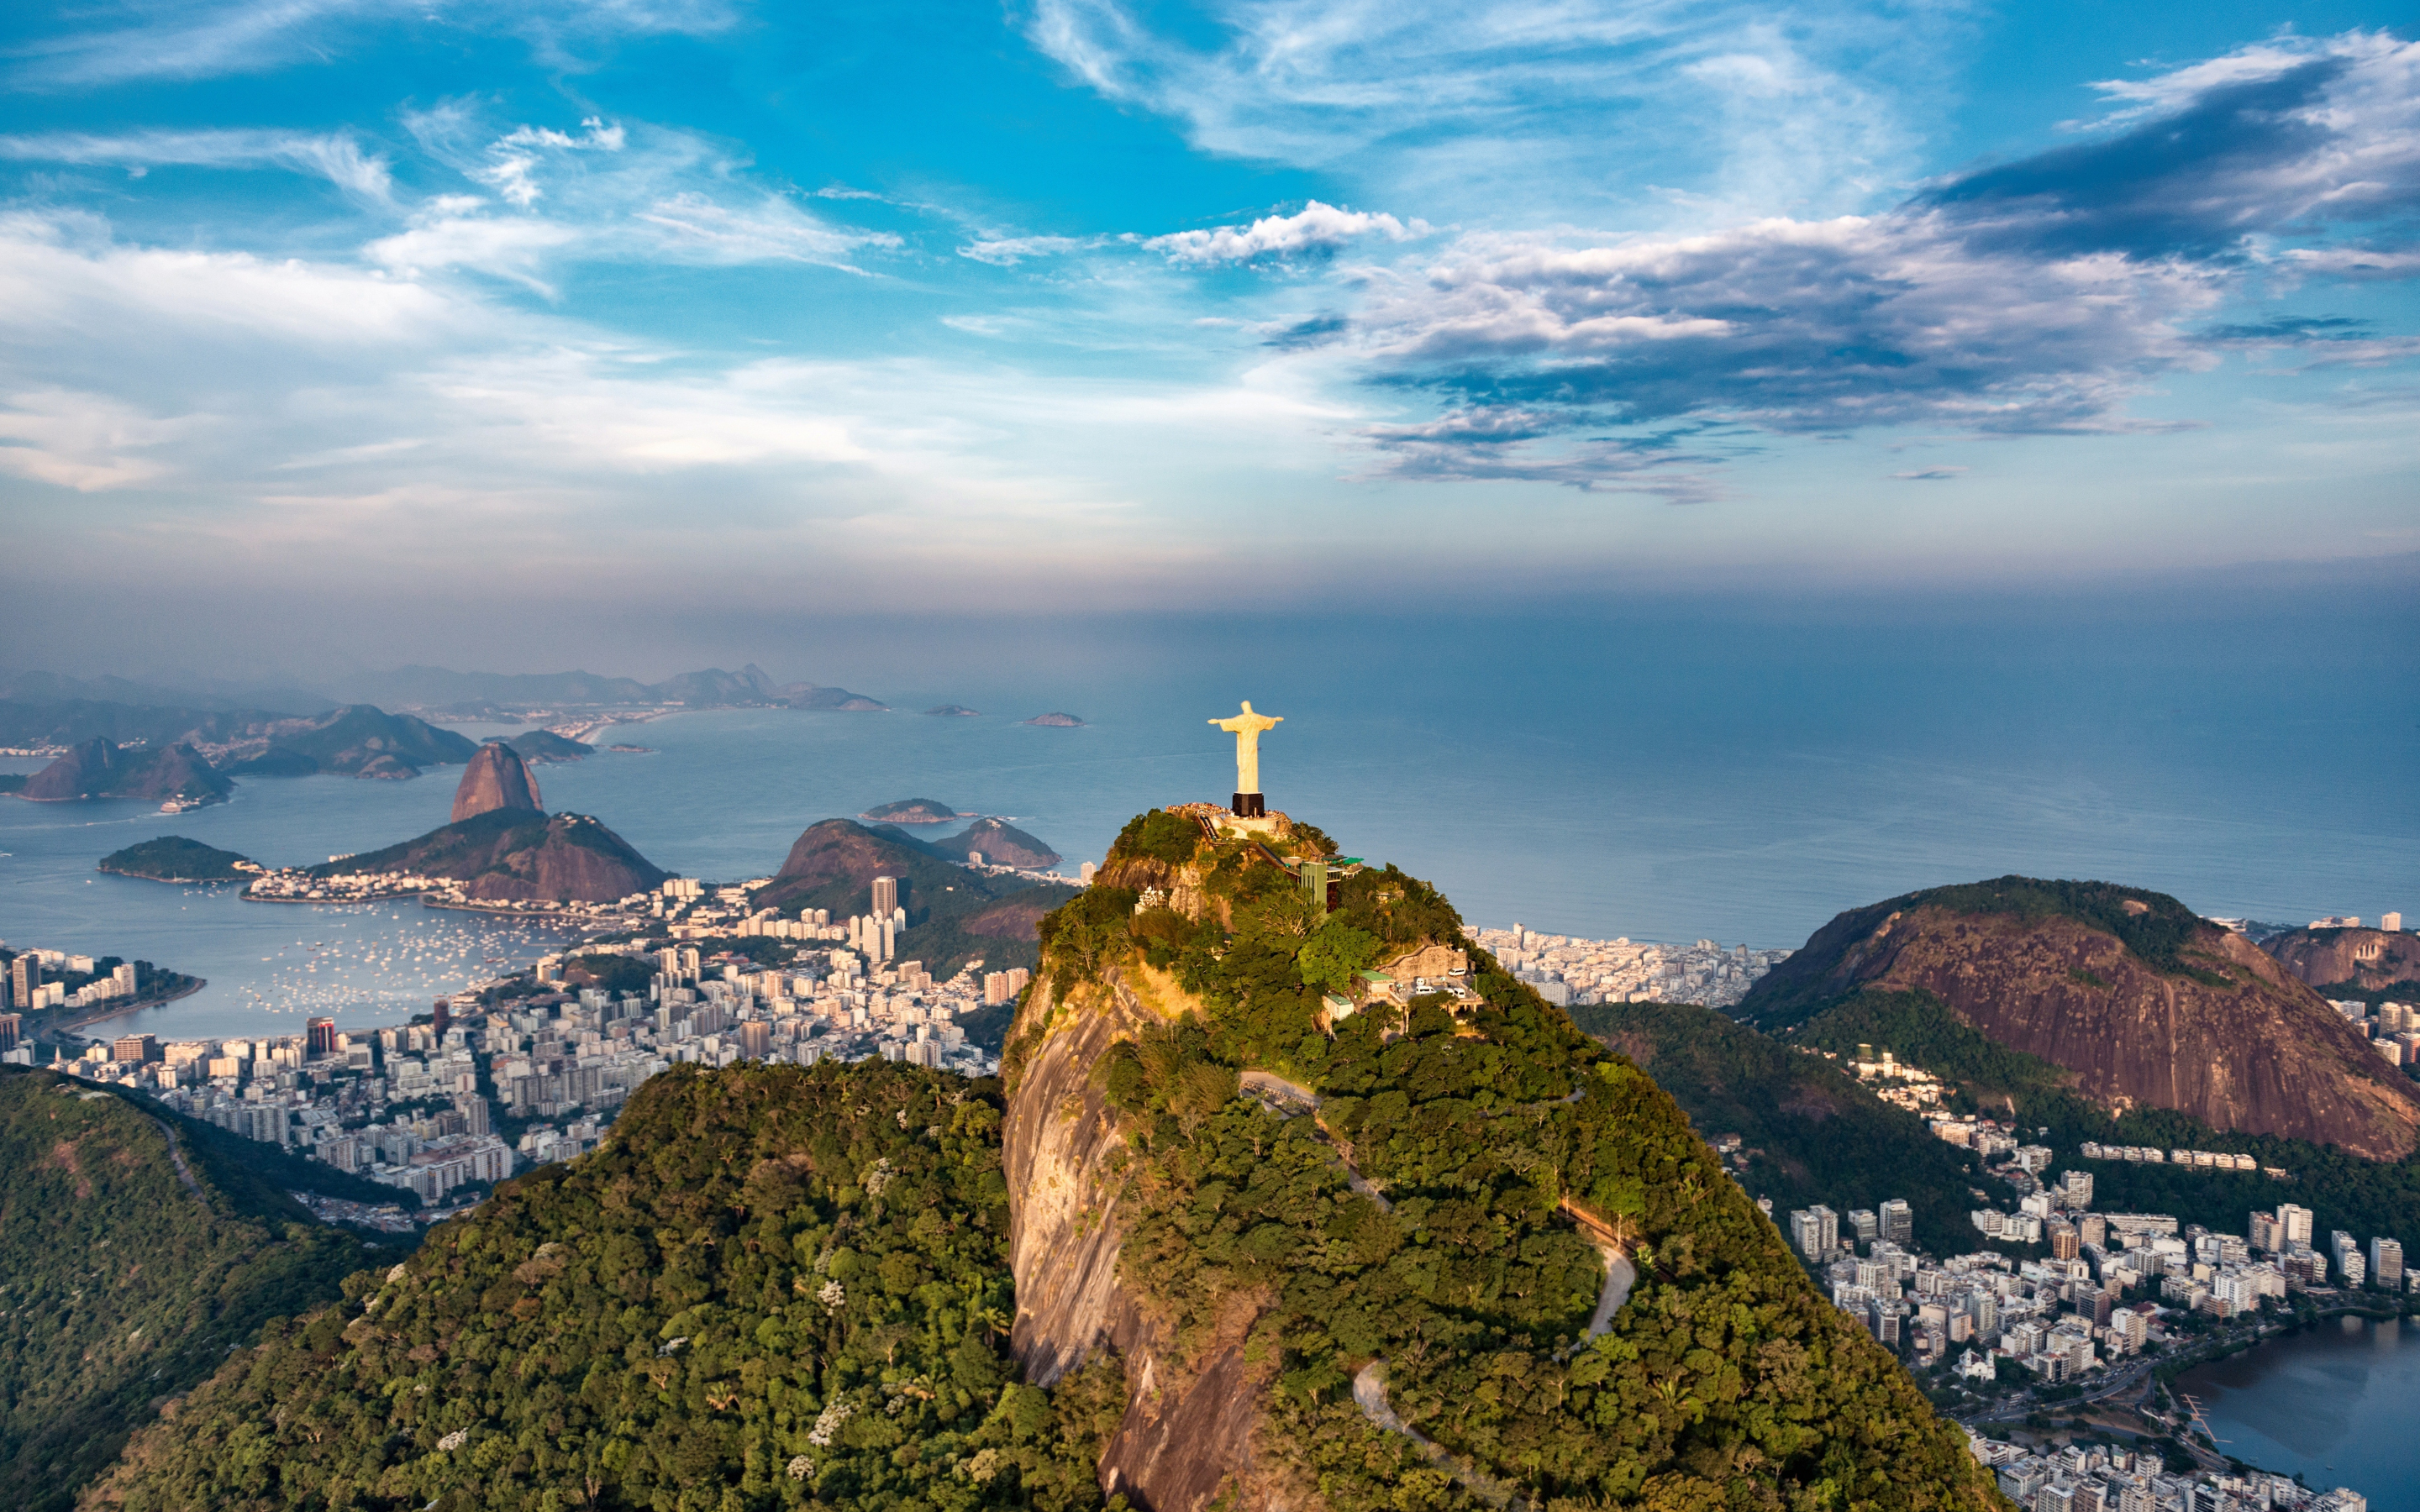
pixel 2370 959
pixel 1187 1432
pixel 497 778
pixel 2226 1036
pixel 98 769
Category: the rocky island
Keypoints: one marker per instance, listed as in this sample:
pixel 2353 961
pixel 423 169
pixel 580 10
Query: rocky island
pixel 175 858
pixel 954 711
pixel 911 811
pixel 546 746
pixel 99 769
pixel 1055 720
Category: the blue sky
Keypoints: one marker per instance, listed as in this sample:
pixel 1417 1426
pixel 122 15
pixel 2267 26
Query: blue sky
pixel 1084 302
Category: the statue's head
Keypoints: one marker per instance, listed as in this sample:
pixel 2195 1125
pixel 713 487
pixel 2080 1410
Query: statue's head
pixel 1248 705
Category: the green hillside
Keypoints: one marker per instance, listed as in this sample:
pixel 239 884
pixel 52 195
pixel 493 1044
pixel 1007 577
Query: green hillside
pixel 119 1284
pixel 1725 1381
pixel 772 1287
pixel 1810 1131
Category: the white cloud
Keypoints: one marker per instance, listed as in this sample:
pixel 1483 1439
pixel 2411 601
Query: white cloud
pixel 1006 252
pixel 336 156
pixel 64 280
pixel 85 442
pixel 518 249
pixel 1315 227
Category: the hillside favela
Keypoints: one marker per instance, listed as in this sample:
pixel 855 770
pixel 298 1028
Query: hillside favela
pixel 1220 756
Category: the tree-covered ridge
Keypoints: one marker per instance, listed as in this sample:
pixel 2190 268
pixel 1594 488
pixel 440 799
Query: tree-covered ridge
pixel 1810 1133
pixel 1725 1381
pixel 772 1286
pixel 120 1284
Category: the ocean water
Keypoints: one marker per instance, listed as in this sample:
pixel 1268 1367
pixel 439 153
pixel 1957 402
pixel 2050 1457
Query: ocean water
pixel 1646 774
pixel 2332 1404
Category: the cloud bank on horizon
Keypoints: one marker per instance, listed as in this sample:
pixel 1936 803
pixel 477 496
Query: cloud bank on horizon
pixel 1075 300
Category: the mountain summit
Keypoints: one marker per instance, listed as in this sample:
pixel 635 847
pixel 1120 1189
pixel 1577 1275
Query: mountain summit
pixel 497 778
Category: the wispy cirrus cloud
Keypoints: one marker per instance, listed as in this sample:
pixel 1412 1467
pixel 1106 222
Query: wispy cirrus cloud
pixel 1764 109
pixel 606 192
pixel 176 40
pixel 335 155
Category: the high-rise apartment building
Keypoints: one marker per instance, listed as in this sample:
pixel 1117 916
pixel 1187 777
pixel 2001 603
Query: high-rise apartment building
pixel 886 896
pixel 136 1047
pixel 1863 1226
pixel 1816 1231
pixel 2392 923
pixel 323 1038
pixel 2077 1187
pixel 24 980
pixel 2386 1264
pixel 755 1039
pixel 1897 1221
pixel 2296 1223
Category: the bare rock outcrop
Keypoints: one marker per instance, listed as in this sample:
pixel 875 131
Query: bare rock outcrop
pixel 497 778
pixel 2222 1032
pixel 1186 1436
pixel 2370 959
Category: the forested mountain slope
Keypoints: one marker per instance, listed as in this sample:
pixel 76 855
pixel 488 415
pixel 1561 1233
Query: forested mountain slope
pixel 123 1281
pixel 772 1286
pixel 1810 1133
pixel 1426 1249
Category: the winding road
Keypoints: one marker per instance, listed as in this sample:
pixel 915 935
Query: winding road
pixel 1292 1099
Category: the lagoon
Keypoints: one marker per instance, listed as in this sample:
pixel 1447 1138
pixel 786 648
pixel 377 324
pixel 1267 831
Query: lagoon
pixel 2333 1403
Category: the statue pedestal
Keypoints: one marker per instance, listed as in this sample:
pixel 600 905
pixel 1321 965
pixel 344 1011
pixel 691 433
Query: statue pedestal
pixel 1249 805
pixel 1265 825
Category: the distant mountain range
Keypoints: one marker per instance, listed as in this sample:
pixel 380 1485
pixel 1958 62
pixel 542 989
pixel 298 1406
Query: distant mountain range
pixel 440 689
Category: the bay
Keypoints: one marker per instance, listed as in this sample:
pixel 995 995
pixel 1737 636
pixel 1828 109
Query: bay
pixel 2332 1403
pixel 1646 775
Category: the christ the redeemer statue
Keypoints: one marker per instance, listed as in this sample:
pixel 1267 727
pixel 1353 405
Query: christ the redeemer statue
pixel 1247 726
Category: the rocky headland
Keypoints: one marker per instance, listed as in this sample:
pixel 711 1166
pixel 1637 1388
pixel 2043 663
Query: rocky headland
pixel 98 769
pixel 999 842
pixel 2366 959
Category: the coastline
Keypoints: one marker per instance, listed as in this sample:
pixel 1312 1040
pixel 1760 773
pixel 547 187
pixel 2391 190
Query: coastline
pixel 116 1009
